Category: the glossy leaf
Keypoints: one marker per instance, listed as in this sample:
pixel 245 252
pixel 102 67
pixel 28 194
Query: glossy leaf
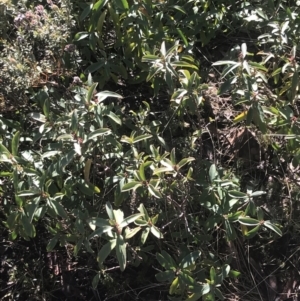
pixel 273 227
pixel 128 220
pixel 97 133
pixel 189 259
pixel 15 143
pixel 248 221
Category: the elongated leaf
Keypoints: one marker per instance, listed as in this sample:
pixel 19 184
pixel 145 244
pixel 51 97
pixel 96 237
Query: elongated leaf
pixel 248 221
pixel 128 220
pixel 174 286
pixel 99 4
pixel 189 259
pixel 162 170
pixel 130 233
pixel 28 226
pixel 123 4
pixel 97 133
pixel 109 210
pixel 257 193
pixel 95 281
pixel 29 193
pixel 98 222
pixel 273 227
pixel 115 118
pixel 15 143
pixel 104 94
pixel 165 276
pixel 224 63
pixel 156 232
pixel 4 150
pixel 143 210
pixel 38 116
pixel 121 252
pixel 131 185
pixel 144 235
pixel 237 194
pixel 185 161
pixel 51 244
pixel 141 138
pixel 58 209
pixel 186 279
pixel 155 192
pixel 106 250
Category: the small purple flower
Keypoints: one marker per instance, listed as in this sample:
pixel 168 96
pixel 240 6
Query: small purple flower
pixel 69 48
pixel 40 10
pixel 77 80
pixel 18 19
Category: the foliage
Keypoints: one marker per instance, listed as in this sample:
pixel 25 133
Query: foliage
pixel 132 184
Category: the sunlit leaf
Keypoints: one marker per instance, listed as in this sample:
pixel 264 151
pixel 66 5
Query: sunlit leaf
pixel 273 227
pixel 121 252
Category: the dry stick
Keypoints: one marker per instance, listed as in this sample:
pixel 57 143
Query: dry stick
pixel 298 249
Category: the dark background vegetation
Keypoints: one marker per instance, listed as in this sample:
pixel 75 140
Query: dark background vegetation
pixel 149 150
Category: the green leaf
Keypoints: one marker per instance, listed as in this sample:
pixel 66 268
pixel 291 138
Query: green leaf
pixel 189 259
pixel 184 39
pixel 213 275
pixel 81 35
pixel 248 221
pixel 58 209
pixel 257 193
pixel 46 107
pixel 155 192
pixel 165 276
pixel 131 185
pixel 97 133
pixel 15 143
pixel 130 219
pixel 115 118
pixel 174 286
pixel 109 210
pixel 252 232
pixel 78 246
pixel 4 150
pixel 144 235
pixel 185 161
pixel 142 172
pixel 238 194
pixel 186 279
pixel 28 226
pixel 95 281
pixel 106 250
pixel 273 227
pixel 143 210
pixel 159 170
pixel 99 5
pixel 86 12
pixel 51 244
pixel 156 232
pixel 38 116
pixel 131 232
pixel 121 252
pixel 260 214
pixel 141 138
pixel 104 94
pixel 123 4
pixel 213 173
pixel 234 274
pixel 99 222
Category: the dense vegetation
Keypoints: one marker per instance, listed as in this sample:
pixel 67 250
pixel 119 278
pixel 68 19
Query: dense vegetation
pixel 149 150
